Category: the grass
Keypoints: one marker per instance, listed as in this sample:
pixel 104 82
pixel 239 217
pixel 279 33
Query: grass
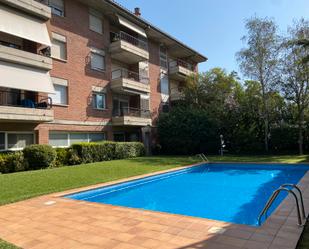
pixel 5 245
pixel 24 185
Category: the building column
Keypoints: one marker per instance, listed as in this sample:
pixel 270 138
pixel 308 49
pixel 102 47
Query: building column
pixel 42 136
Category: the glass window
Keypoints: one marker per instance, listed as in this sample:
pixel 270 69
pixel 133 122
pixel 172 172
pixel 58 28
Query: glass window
pixel 95 23
pixel 57 7
pixel 58 49
pixel 119 137
pixel 2 141
pixel 19 140
pixel 60 96
pixel 58 139
pixel 99 101
pixel 163 57
pixel 97 61
pixel 78 138
pixel 96 137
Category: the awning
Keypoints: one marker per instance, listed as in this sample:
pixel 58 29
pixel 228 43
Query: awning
pixel 22 25
pixel 131 26
pixel 25 78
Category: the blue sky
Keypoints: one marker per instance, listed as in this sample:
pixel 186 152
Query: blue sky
pixel 215 27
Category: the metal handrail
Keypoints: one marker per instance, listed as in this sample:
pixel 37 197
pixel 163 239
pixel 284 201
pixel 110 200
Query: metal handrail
pixel 203 157
pixel 131 111
pixel 125 73
pixel 129 38
pixel 273 198
pixel 183 63
pixel 300 195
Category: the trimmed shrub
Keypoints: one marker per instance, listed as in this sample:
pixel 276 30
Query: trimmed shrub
pixel 12 162
pixel 129 150
pixel 40 156
pixel 63 157
pixel 106 151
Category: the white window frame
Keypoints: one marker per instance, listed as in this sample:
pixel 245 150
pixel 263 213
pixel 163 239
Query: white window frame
pixel 58 8
pixel 99 17
pixel 60 82
pixel 59 39
pixel 72 132
pixel 99 52
pixel 15 132
pixel 94 102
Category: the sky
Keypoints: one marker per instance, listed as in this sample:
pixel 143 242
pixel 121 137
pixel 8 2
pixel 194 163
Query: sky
pixel 215 27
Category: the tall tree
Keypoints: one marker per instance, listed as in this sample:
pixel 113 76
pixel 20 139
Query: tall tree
pixel 259 60
pixel 295 82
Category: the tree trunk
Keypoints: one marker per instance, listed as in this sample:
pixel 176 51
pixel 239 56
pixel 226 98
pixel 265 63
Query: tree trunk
pixel 266 117
pixel 300 132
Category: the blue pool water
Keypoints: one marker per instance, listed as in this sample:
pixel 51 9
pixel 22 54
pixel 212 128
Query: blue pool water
pixel 226 192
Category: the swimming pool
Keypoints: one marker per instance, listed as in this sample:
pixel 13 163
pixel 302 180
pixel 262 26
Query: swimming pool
pixel 233 193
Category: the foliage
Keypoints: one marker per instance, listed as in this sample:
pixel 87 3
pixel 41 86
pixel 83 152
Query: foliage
pixel 12 162
pixel 106 151
pixel 39 156
pixel 259 60
pixel 186 131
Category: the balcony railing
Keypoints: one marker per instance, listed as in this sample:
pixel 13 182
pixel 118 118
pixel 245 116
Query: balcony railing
pixel 132 112
pixel 122 36
pixel 124 73
pixel 16 99
pixel 182 63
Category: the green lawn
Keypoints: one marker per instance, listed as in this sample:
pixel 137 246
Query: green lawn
pixel 23 185
pixel 5 245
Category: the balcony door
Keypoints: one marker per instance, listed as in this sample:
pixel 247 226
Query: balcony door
pixel 120 107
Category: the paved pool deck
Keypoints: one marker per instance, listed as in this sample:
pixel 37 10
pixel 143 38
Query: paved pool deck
pixel 54 222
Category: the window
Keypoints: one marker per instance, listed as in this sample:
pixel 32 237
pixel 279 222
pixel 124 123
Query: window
pixel 95 21
pixel 78 138
pixel 2 141
pixel 19 140
pixel 63 139
pixel 163 57
pixel 99 101
pixel 97 59
pixel 57 7
pixel 60 96
pixel 58 49
pixel 119 137
pixel 59 139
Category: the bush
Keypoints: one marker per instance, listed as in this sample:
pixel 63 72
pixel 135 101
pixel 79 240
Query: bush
pixel 129 150
pixel 106 151
pixel 12 162
pixel 40 156
pixel 63 157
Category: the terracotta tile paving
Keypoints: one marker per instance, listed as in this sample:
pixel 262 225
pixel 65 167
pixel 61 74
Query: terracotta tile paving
pixel 66 224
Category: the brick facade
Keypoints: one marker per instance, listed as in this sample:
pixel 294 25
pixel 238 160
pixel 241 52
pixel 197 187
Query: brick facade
pixel 79 115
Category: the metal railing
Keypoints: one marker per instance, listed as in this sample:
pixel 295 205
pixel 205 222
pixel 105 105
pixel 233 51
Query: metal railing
pixel 181 63
pixel 26 100
pixel 287 188
pixel 132 112
pixel 128 38
pixel 203 157
pixel 124 73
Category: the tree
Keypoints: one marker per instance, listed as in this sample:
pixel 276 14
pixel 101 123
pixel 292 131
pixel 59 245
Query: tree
pixel 259 61
pixel 295 80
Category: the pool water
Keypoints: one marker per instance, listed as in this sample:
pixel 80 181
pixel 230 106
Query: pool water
pixel 226 192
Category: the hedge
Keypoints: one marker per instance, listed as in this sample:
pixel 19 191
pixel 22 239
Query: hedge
pixel 36 157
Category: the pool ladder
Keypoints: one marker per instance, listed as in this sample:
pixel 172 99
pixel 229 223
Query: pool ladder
pixel 203 157
pixel 287 188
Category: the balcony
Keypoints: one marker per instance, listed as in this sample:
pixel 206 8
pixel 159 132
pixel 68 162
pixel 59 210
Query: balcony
pixel 128 82
pixel 127 48
pixel 179 70
pixel 25 58
pixel 31 7
pixel 128 116
pixel 26 107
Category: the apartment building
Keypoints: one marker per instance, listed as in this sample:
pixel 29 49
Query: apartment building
pixel 74 70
